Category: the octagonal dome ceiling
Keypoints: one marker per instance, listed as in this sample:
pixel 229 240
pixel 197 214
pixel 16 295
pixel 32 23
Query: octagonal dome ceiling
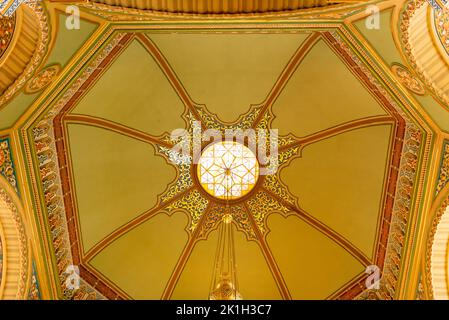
pixel 114 198
pixel 144 228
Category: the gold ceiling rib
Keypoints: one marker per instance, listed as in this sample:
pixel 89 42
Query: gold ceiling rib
pixel 274 268
pixel 291 67
pixel 191 106
pixel 154 51
pixel 218 7
pixel 131 225
pixel 345 127
pixel 324 229
pixel 116 127
pixel 174 277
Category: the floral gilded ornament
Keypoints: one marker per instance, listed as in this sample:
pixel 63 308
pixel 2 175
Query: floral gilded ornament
pixel 6 163
pixel 43 78
pixel 442 26
pixel 443 177
pixel 6 32
pixel 34 291
pixel 407 79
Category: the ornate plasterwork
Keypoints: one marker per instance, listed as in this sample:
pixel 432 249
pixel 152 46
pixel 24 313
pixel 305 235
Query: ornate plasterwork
pixel 7 164
pixel 408 79
pixel 16 247
pixel 194 203
pixel 216 7
pixel 36 24
pixel 418 45
pixel 443 176
pixel 43 78
pixel 34 291
pixel 202 212
pixel 117 13
pixel 400 198
pixel 7 26
pixel 442 26
pixel 44 143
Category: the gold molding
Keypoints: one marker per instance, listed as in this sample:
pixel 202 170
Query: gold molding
pixel 420 49
pixel 15 243
pixel 216 7
pixel 26 50
pixel 439 255
pixel 21 48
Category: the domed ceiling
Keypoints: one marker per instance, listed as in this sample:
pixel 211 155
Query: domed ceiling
pixel 128 198
pixel 113 198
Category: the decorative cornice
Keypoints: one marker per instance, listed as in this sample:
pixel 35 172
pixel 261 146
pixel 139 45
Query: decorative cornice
pixel 43 78
pixel 216 7
pixel 7 164
pixel 443 176
pixel 338 10
pixel 408 79
pixel 22 48
pixel 420 49
pixel 441 18
pixel 26 51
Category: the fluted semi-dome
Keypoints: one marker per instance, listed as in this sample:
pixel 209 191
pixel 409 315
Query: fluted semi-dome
pixel 216 7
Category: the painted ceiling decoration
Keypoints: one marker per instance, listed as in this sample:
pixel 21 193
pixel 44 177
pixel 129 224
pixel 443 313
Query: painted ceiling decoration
pixel 7 169
pixel 185 195
pixel 442 26
pixel 7 27
pixel 444 169
pixel 101 204
pixel 26 49
pixel 429 60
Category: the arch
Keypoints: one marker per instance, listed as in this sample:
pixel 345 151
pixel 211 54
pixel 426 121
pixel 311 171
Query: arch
pixel 423 48
pixel 14 244
pixel 437 255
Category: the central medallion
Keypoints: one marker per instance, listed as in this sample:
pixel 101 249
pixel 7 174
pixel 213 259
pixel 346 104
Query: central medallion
pixel 228 170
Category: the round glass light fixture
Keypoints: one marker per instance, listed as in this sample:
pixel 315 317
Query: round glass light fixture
pixel 228 170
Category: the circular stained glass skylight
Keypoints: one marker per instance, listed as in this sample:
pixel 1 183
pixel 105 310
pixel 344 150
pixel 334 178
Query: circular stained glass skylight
pixel 228 170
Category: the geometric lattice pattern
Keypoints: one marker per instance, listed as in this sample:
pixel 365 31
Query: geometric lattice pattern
pixel 228 170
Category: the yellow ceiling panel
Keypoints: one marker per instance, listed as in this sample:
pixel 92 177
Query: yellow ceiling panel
pixel 69 41
pixel 382 38
pixel 141 261
pixel 313 266
pixel 116 179
pixel 315 99
pixel 254 276
pixel 255 279
pixel 194 281
pixel 135 92
pixel 340 180
pixel 228 72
